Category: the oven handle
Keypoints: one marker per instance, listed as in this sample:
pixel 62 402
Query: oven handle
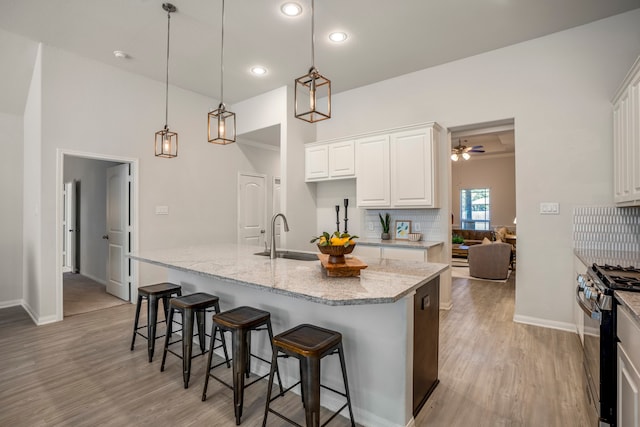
pixel 588 311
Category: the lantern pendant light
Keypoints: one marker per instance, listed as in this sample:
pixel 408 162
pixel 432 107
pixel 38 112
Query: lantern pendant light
pixel 166 143
pixel 312 87
pixel 221 123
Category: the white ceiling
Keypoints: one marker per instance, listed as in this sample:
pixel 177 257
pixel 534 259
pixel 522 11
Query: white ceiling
pixel 386 39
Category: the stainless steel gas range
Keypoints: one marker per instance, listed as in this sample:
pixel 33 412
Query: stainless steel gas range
pixel 594 295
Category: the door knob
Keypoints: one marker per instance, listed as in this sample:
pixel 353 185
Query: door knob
pixel 105 237
pixel 262 231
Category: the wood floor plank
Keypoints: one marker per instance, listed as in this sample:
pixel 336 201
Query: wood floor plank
pixel 80 372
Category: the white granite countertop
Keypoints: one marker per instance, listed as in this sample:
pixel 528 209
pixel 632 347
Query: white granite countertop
pixel 422 244
pixel 383 281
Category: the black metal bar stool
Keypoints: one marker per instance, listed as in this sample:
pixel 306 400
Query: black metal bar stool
pixel 240 322
pixel 309 344
pixel 153 294
pixel 189 305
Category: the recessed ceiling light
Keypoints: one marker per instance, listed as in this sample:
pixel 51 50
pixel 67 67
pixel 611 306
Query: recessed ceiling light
pixel 338 36
pixel 120 54
pixel 258 70
pixel 291 9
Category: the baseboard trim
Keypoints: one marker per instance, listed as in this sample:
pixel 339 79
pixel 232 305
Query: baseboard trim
pixel 544 323
pixel 37 319
pixel 94 278
pixel 13 303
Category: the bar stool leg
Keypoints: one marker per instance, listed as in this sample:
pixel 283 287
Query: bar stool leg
pixel 135 323
pixel 167 337
pixel 311 386
pixel 239 367
pixel 200 318
pixel 274 366
pixel 274 351
pixel 152 310
pixel 187 344
pixel 343 365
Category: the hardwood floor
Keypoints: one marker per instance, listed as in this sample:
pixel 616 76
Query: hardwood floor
pixel 82 295
pixel 80 372
pixel 494 372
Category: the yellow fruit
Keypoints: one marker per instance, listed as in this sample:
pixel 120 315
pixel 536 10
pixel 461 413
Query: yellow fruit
pixel 322 239
pixel 352 242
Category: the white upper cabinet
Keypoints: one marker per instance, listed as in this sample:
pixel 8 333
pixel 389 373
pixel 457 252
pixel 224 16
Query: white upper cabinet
pixel 373 187
pixel 626 140
pixel 325 161
pixel 413 168
pixel 398 169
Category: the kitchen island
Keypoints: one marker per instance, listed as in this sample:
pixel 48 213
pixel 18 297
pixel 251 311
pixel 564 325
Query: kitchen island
pixel 374 313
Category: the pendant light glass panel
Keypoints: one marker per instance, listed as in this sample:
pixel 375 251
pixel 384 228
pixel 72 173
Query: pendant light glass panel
pixel 313 97
pixel 222 126
pixel 166 143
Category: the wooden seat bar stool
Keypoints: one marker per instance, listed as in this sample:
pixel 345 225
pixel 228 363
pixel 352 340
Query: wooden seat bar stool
pixel 192 307
pixel 240 321
pixel 309 344
pixel 153 294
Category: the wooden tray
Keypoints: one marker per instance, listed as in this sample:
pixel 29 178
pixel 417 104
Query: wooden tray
pixel 350 268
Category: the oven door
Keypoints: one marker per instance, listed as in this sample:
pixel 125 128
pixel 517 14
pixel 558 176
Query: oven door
pixel 591 351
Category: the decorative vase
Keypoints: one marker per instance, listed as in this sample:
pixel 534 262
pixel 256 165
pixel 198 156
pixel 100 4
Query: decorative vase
pixel 385 236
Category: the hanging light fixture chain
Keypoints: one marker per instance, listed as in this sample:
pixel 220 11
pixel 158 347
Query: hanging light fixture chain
pixel 166 91
pixel 313 41
pixel 222 59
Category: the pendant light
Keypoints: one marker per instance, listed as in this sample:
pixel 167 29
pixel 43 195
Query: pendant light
pixel 311 87
pixel 166 141
pixel 221 123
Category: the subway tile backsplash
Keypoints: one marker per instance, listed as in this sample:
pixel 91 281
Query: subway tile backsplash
pixel 606 228
pixel 426 219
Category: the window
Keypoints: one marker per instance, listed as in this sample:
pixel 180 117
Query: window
pixel 475 212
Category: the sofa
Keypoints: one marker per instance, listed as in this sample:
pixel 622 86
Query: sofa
pixel 473 237
pixel 490 261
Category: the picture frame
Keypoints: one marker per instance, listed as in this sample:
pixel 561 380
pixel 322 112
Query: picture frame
pixel 402 229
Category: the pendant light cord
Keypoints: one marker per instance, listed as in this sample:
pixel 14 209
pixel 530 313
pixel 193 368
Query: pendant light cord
pixel 313 50
pixel 166 98
pixel 222 59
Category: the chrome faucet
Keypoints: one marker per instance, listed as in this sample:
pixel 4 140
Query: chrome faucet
pixel 272 252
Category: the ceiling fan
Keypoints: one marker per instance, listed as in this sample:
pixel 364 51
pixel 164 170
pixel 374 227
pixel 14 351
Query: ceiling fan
pixel 463 151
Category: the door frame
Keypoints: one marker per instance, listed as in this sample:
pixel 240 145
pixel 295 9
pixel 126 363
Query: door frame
pixel 134 164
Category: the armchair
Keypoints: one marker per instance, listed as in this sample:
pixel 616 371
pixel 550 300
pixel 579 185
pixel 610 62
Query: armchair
pixel 490 261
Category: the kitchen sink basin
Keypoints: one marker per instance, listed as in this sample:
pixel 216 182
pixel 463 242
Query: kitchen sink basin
pixel 298 256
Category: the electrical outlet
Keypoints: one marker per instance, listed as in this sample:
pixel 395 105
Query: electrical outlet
pixel 162 210
pixel 416 226
pixel 370 226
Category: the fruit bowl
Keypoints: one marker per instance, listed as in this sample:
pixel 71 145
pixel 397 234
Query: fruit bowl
pixel 336 253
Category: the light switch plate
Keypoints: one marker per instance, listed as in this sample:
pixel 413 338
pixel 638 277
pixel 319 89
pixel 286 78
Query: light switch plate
pixel 162 210
pixel 370 226
pixel 549 208
pixel 416 226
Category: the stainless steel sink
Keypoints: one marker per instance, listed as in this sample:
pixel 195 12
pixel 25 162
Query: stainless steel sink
pixel 298 256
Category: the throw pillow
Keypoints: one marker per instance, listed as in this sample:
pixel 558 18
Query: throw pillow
pixel 486 241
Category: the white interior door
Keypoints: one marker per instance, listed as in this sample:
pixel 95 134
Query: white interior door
pixel 275 208
pixel 252 194
pixel 69 228
pixel 118 230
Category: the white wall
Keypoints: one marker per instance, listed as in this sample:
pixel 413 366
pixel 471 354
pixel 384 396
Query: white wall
pixel 91 197
pixel 31 200
pixel 88 107
pixel 495 173
pixel 11 129
pixel 558 90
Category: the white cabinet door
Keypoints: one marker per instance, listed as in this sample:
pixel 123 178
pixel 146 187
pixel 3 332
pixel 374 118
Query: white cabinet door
pixel 316 162
pixel 626 140
pixel 372 172
pixel 342 159
pixel 366 251
pixel 628 396
pixel 413 168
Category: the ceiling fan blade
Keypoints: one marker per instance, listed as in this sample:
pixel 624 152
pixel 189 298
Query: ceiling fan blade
pixel 475 151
